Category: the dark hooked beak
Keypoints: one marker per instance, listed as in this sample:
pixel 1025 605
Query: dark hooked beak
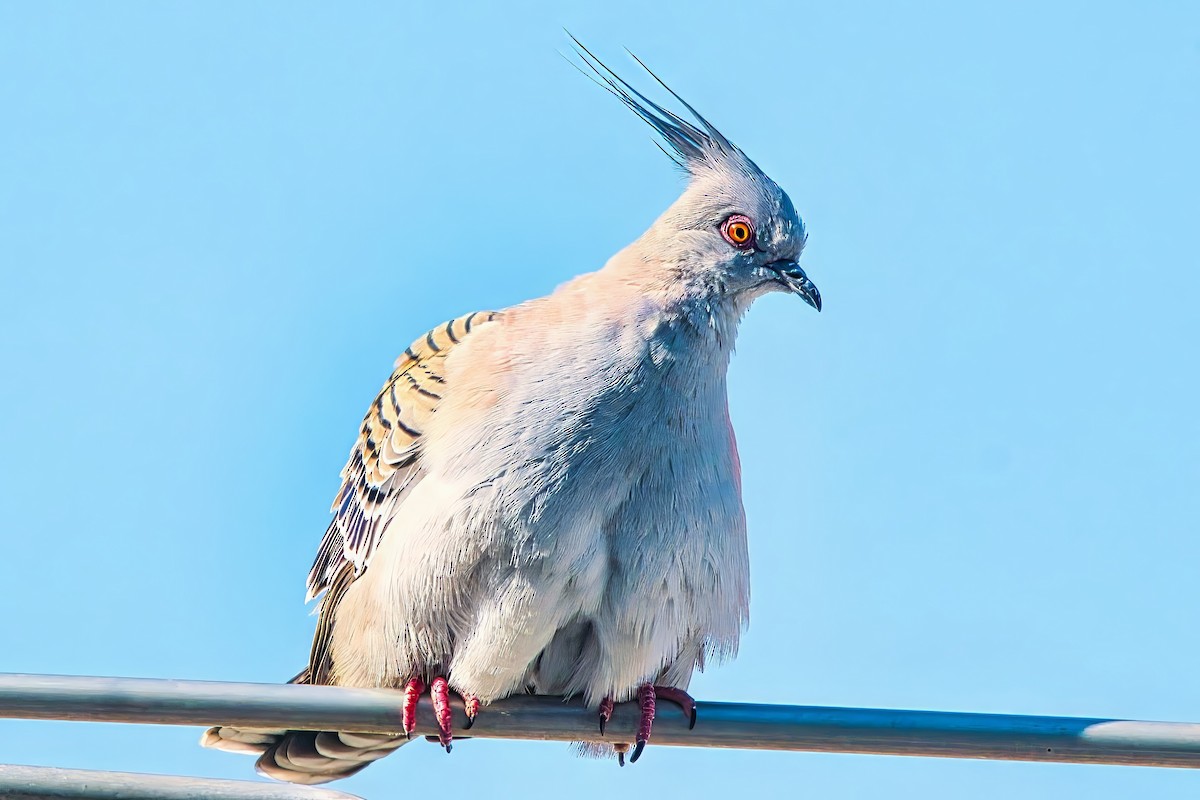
pixel 791 276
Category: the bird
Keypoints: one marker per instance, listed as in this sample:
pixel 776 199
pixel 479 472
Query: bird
pixel 547 498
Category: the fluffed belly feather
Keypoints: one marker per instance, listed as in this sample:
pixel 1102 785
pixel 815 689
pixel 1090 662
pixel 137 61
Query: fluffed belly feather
pixel 628 568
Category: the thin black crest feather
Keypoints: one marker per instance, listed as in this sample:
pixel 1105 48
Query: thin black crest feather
pixel 693 145
pixel 715 134
pixel 604 82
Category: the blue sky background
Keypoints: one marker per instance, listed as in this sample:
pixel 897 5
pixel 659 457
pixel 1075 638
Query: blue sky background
pixel 971 483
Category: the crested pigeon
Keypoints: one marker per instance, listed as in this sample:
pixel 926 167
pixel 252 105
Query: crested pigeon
pixel 547 498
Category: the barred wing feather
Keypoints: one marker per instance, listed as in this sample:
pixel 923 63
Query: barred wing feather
pixel 386 459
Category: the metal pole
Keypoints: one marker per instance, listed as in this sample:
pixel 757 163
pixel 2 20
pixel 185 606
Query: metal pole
pixel 741 725
pixel 44 783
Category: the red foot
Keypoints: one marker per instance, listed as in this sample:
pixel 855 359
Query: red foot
pixel 439 693
pixel 647 697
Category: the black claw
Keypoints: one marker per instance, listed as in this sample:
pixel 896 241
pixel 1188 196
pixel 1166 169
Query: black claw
pixel 637 752
pixel 602 721
pixel 471 721
pixel 620 758
pixel 449 747
pixel 691 723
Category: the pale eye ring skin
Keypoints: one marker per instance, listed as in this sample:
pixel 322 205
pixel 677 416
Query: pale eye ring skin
pixel 738 230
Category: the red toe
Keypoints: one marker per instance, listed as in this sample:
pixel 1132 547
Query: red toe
pixel 412 695
pixel 682 698
pixel 606 709
pixel 470 708
pixel 439 691
pixel 645 700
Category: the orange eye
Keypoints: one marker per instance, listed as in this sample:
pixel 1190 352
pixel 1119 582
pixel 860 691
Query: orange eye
pixel 738 230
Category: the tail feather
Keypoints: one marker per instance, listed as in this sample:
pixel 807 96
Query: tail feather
pixel 306 757
pixel 355 745
pixel 254 741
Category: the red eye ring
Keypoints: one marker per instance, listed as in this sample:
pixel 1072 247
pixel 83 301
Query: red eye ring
pixel 738 230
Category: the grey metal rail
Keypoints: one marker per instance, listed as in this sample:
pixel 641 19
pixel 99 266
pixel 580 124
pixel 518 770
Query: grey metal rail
pixel 45 783
pixel 738 725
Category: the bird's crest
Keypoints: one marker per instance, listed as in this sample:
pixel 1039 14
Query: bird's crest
pixel 697 146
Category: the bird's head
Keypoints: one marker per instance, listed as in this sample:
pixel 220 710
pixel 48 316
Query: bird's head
pixel 733 230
